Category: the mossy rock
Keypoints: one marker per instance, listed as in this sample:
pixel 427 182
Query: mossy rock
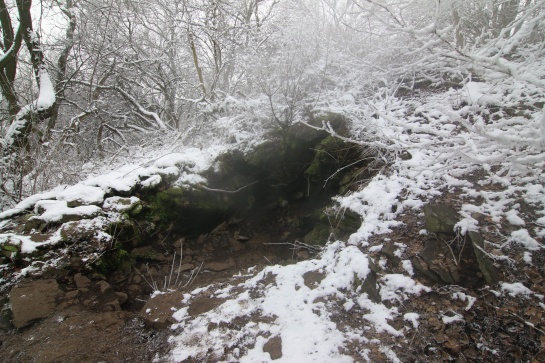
pixel 368 286
pixel 348 221
pixel 440 218
pixel 116 259
pixel 190 210
pixel 146 253
pixel 490 272
pixel 32 222
pixel 319 235
pixel 126 231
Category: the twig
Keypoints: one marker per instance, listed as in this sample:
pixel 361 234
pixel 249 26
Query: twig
pixel 225 191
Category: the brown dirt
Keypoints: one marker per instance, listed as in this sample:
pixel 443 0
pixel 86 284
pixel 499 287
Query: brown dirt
pixel 78 335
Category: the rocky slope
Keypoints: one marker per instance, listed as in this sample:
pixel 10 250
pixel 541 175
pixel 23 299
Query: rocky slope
pixel 220 256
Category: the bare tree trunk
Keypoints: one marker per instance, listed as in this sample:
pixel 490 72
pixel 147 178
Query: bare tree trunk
pixel 196 62
pixel 61 66
pixel 8 64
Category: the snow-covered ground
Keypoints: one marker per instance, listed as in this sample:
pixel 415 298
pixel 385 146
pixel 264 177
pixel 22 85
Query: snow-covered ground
pixel 452 137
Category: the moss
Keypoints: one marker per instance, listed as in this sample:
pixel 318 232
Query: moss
pixel 324 159
pixel 190 210
pixel 319 235
pixel 126 231
pixel 116 259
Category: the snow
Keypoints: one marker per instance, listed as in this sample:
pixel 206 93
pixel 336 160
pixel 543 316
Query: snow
pixel 46 96
pixel 515 289
pixel 54 210
pixel 83 194
pixel 412 318
pixel 398 286
pixel 300 313
pixel 29 202
pixel 522 237
pixel 25 243
pixel 118 204
pixel 451 319
pixel 513 218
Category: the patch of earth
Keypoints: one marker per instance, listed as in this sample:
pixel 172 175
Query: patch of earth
pixel 79 335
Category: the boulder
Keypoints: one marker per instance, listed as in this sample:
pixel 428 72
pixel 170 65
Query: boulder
pixel 440 218
pixel 33 300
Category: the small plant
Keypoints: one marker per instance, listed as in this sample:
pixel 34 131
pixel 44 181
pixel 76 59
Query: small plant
pixel 172 282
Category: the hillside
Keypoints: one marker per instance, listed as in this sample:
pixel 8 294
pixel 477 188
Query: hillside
pixel 448 259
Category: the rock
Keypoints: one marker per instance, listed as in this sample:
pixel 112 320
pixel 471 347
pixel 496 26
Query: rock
pixel 440 218
pixel 389 250
pixel 136 279
pixel 77 231
pixel 436 262
pixel 147 253
pixel 33 300
pixel 113 306
pixel 82 282
pixel 202 305
pixel 312 279
pixel 235 245
pixel 34 223
pixel 486 265
pixel 186 267
pixel 274 347
pixel 157 312
pixel 369 287
pixel 70 295
pixel 104 287
pixel 217 266
pixel 121 297
pixel 319 235
pixel 134 290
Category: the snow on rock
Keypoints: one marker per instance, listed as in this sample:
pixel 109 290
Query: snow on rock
pixel 523 238
pixel 119 204
pixel 515 289
pixel 82 194
pixel 123 179
pixel 398 286
pixel 451 319
pixel 28 203
pixel 25 243
pixel 56 211
pixel 412 318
